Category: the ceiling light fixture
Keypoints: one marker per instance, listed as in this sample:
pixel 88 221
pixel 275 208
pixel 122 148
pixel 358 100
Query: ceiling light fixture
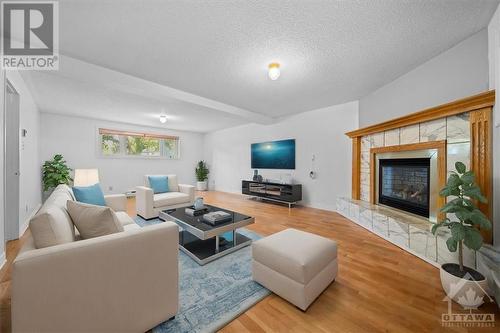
pixel 274 71
pixel 163 119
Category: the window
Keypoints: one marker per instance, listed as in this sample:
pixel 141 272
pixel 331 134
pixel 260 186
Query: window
pixel 110 144
pixel 115 143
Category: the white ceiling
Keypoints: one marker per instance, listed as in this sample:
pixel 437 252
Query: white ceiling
pixel 330 51
pixel 60 95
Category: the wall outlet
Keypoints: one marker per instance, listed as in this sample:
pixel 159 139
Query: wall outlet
pixel 27 208
pixel 110 188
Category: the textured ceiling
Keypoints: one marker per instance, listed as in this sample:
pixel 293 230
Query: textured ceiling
pixel 67 96
pixel 331 51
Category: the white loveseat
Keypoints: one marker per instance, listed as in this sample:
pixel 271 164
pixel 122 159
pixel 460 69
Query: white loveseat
pixel 149 205
pixel 122 282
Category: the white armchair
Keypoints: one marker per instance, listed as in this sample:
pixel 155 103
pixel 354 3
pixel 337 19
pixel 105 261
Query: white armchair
pixel 148 204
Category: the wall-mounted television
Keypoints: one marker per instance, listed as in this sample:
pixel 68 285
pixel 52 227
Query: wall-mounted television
pixel 274 154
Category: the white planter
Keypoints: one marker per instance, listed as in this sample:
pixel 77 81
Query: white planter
pixel 465 292
pixel 202 186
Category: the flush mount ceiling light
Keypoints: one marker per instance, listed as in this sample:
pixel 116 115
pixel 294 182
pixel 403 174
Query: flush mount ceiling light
pixel 163 119
pixel 274 71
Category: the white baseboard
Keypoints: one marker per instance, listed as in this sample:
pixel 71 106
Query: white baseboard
pixel 26 223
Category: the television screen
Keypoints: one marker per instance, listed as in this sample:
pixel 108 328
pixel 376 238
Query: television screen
pixel 274 155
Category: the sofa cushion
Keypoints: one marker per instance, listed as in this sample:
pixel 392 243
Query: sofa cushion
pixel 173 185
pixel 89 194
pixel 65 189
pixel 92 220
pixel 52 225
pixel 159 184
pixel 169 199
pixel 124 218
pixel 296 254
pixel 129 227
pixel 59 199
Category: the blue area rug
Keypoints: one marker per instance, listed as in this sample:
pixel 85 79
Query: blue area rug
pixel 212 295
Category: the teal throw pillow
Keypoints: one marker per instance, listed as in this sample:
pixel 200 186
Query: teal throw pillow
pixel 89 194
pixel 159 184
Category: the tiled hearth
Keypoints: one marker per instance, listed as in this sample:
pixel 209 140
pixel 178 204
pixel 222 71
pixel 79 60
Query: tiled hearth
pixel 410 232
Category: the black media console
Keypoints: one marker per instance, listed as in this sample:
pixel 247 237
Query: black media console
pixel 286 193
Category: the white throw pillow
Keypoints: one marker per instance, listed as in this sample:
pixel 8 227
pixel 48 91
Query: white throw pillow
pixel 52 226
pixel 93 221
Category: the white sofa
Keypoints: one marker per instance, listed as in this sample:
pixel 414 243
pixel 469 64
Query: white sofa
pixel 123 282
pixel 149 205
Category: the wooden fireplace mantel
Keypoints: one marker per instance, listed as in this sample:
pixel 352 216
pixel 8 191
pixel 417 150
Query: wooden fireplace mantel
pixel 480 108
pixel 479 101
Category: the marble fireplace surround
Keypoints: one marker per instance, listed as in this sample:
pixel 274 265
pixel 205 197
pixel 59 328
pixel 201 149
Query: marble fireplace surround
pixel 457 131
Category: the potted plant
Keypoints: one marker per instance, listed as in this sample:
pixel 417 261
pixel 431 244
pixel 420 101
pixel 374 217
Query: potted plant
pixel 458 279
pixel 55 172
pixel 201 176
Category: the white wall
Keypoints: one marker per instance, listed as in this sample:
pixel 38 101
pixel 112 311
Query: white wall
pixel 456 73
pixel 30 180
pixel 76 139
pixel 319 132
pixel 494 78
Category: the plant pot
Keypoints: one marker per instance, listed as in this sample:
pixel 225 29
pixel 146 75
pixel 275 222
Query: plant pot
pixel 202 186
pixel 466 292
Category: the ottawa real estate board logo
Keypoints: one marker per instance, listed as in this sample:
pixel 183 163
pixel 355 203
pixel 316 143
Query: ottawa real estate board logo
pixel 30 35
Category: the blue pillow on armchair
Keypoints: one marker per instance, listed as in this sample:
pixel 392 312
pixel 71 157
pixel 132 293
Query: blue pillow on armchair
pixel 89 194
pixel 159 184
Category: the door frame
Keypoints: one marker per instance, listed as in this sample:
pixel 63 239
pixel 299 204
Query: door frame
pixel 7 236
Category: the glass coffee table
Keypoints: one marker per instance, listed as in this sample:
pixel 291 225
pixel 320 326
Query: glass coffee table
pixel 204 242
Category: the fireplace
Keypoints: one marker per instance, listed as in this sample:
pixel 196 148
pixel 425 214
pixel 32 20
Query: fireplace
pixel 404 183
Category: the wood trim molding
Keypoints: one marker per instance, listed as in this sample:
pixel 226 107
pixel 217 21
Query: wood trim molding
pixel 483 100
pixel 440 146
pixel 139 134
pixel 481 160
pixel 356 168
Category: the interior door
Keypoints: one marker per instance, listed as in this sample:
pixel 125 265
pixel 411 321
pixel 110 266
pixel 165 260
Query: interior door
pixel 12 174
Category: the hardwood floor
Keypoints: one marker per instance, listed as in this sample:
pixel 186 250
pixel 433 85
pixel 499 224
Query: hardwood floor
pixel 379 288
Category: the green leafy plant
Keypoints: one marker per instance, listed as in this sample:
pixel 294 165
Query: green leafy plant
pixel 201 171
pixel 465 231
pixel 55 172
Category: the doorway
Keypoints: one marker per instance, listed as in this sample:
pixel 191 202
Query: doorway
pixel 12 173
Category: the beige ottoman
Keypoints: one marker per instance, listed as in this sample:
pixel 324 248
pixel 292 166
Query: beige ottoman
pixel 295 265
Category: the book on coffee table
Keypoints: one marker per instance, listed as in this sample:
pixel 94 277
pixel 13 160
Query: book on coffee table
pixel 217 217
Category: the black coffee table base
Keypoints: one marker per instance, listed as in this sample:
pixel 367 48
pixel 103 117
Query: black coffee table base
pixel 205 251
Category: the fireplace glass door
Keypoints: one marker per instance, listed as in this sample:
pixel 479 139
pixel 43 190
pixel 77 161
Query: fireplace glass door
pixel 404 184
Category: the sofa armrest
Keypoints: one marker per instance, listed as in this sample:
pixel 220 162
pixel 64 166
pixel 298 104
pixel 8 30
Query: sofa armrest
pixel 117 202
pixel 144 199
pixel 187 189
pixel 123 282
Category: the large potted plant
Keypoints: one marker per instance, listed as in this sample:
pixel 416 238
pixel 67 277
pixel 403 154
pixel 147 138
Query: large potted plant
pixel 201 176
pixel 458 279
pixel 55 172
